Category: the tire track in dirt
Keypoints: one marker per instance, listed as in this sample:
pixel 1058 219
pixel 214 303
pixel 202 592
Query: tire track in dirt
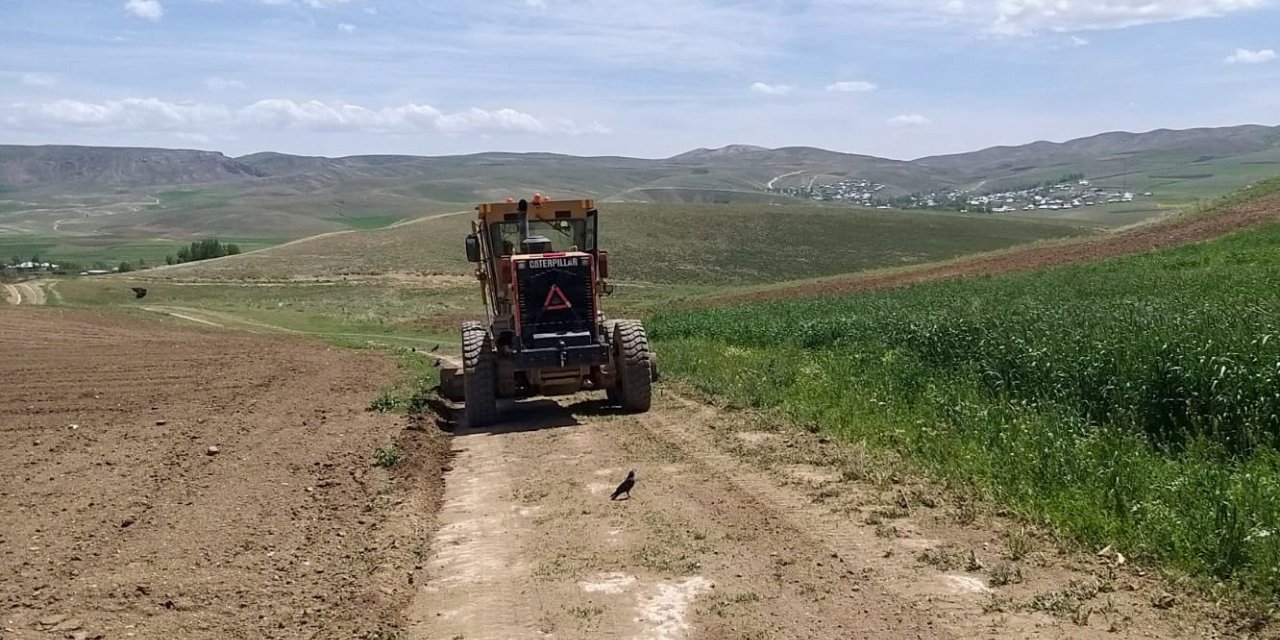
pixel 32 293
pixel 11 295
pixel 738 528
pixel 484 585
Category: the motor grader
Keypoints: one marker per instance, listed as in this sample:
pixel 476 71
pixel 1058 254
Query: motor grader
pixel 541 275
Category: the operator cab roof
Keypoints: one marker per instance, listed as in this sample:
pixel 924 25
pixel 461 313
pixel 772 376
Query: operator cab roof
pixel 541 210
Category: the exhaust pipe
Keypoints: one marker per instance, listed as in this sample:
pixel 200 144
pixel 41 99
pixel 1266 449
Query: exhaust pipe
pixel 522 208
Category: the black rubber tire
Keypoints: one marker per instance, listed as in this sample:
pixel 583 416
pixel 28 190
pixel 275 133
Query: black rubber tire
pixel 479 370
pixel 611 392
pixel 634 369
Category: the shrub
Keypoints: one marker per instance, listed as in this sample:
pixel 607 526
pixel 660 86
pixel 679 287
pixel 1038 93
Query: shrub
pixel 389 455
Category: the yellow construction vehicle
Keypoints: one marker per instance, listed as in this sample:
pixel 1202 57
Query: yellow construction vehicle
pixel 541 274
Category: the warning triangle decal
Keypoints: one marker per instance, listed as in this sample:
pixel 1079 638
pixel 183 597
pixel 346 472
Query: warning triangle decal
pixel 556 300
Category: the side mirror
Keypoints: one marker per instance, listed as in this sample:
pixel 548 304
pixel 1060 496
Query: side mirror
pixel 473 248
pixel 602 264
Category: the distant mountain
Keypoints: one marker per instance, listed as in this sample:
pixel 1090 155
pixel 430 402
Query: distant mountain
pixel 1187 163
pixel 730 151
pixel 116 167
pixel 1112 153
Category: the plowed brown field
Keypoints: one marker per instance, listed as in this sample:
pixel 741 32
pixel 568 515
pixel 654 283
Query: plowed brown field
pixel 118 519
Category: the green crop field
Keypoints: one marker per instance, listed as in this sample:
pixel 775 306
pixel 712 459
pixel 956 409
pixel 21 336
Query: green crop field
pixel 1132 402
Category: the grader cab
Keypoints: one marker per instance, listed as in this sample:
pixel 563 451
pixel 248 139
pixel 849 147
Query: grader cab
pixel 541 275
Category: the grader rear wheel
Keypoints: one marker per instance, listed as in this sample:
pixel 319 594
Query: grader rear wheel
pixel 634 373
pixel 480 376
pixel 611 392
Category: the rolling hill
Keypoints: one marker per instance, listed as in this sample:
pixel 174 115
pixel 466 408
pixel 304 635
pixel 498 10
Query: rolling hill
pixel 73 168
pixel 89 201
pixel 1156 156
pixel 1185 161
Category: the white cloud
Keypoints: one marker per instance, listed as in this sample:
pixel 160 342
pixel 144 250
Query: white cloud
pixel 38 80
pixel 346 27
pixel 151 114
pixel 1245 56
pixel 909 120
pixel 772 89
pixel 954 6
pixel 854 86
pixel 216 83
pixel 1031 16
pixel 145 9
pixel 1079 41
pixel 130 113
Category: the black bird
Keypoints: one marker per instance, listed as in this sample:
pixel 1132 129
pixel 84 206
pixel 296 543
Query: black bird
pixel 435 348
pixel 625 487
pixel 139 292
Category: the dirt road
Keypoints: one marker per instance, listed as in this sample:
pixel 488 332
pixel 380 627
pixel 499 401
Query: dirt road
pixel 28 293
pixel 739 528
pixel 118 519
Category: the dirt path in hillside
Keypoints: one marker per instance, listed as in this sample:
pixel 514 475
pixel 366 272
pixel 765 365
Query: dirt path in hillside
pixel 1139 239
pixel 739 528
pixel 25 293
pixel 164 481
pixel 32 293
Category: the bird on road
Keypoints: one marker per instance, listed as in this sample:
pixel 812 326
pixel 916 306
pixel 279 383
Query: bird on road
pixel 625 487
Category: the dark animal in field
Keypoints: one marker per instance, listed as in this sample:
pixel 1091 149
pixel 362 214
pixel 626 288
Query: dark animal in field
pixel 139 293
pixel 625 487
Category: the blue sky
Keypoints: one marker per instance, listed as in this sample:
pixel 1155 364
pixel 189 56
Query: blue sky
pixel 648 78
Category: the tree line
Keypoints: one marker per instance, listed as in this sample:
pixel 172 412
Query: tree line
pixel 203 250
pixel 200 250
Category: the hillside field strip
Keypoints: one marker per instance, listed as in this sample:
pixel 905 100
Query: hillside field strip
pixel 412 279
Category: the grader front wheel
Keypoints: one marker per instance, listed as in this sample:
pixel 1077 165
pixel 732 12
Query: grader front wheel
pixel 479 376
pixel 633 365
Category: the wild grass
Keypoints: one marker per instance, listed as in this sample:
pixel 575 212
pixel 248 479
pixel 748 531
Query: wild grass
pixel 389 455
pixel 1133 402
